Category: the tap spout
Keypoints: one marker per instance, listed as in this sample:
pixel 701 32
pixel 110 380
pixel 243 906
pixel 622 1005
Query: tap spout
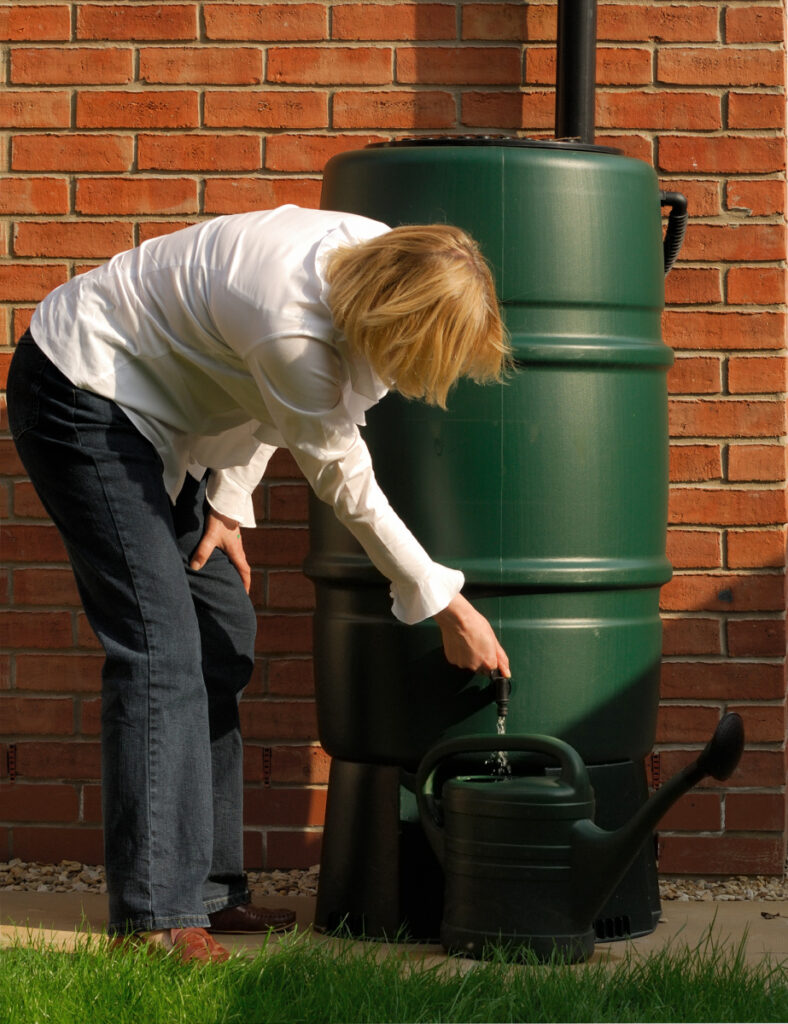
pixel 503 689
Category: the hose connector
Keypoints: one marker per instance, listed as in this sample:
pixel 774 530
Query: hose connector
pixel 502 686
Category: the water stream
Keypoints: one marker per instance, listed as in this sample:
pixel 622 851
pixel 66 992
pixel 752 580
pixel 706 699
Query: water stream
pixel 499 761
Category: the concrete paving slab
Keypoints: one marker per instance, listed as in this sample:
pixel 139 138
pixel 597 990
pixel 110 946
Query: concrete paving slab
pixel 61 918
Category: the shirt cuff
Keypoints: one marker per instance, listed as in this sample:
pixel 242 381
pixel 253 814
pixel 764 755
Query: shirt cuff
pixel 229 498
pixel 416 601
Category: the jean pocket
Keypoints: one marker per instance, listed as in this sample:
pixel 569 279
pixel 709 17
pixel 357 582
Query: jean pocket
pixel 24 386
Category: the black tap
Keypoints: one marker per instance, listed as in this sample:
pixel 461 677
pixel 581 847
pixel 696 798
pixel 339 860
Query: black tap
pixel 503 688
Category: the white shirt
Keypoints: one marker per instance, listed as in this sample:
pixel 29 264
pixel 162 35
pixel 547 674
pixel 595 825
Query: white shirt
pixel 217 342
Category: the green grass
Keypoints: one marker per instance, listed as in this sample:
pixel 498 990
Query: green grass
pixel 298 980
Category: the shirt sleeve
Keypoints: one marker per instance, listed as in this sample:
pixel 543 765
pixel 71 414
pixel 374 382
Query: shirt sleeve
pixel 301 384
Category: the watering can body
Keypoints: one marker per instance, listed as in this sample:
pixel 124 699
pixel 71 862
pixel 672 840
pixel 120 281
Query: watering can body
pixel 525 866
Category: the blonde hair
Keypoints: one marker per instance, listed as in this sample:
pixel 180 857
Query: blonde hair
pixel 419 304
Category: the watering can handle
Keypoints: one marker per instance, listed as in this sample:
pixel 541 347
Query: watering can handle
pixel 572 769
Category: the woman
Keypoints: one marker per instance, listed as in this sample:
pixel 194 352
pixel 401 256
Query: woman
pixel 146 402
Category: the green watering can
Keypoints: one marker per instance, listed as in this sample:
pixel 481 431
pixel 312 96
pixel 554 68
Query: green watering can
pixel 525 866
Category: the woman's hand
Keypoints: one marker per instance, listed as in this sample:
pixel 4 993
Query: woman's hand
pixel 469 640
pixel 223 533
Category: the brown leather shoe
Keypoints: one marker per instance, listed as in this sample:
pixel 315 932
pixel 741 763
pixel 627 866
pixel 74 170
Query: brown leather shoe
pixel 247 919
pixel 189 945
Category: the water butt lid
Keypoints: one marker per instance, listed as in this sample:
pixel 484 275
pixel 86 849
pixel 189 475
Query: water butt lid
pixel 492 140
pixel 543 796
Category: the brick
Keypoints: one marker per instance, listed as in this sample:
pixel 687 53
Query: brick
pixel 288 502
pixel 720 680
pixel 685 723
pixel 91 804
pixel 254 858
pixel 754 812
pixel 658 111
pixel 38 716
pixel 763 723
pixel 24 108
pixel 757 374
pixel 694 812
pixel 34 195
pixel 278 720
pixel 729 154
pixel 759 198
pixel 51 845
pixel 755 110
pixel 756 285
pixel 266 109
pixel 290 590
pixel 215 65
pixel 86 638
pixel 720 855
pixel 310 152
pixel 277 546
pixel 754 24
pixel 45 587
pixel 199 153
pixel 147 109
pixel 450 65
pixel 137 195
pixel 694 549
pixel 727 66
pixel 32 544
pixel 673 23
pixel 756 638
pixel 291 677
pixel 306 765
pixel 274 806
pixel 756 549
pixel 90 717
pixel 72 238
pixel 39 803
pixel 268 22
pixel 530 110
pixel 311 65
pixel 35 629
pixel 734 242
pixel 691 636
pixel 695 375
pixel 703 197
pixel 59 672
pixel 398 109
pixel 72 65
pixel 726 506
pixel 371 21
pixel 729 330
pixel 138 21
pixel 726 417
pixel 728 593
pixel 693 286
pixel 614 66
pixel 292 849
pixel 35 22
pixel 234 195
pixel 153 229
pixel 73 152
pixel 27 504
pixel 284 634
pixel 753 462
pixel 70 761
pixel 10 463
pixel 695 462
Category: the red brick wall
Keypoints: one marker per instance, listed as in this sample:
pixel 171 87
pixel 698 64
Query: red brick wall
pixel 119 121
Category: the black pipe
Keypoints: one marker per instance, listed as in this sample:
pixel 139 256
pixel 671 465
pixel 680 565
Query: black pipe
pixel 575 82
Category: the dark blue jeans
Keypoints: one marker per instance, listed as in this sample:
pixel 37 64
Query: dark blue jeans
pixel 179 650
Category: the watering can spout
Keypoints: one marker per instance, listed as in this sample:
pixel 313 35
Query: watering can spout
pixel 601 858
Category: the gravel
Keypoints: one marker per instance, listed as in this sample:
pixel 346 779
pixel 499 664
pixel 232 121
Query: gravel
pixel 71 876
